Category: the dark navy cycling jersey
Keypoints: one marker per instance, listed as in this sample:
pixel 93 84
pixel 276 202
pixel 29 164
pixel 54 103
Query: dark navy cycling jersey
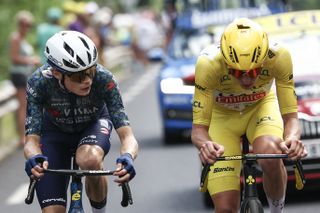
pixel 48 100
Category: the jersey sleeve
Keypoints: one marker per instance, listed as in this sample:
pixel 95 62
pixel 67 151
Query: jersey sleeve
pixel 34 113
pixel 203 95
pixel 114 103
pixel 285 83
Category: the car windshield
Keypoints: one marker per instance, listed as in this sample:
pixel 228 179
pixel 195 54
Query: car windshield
pixel 305 64
pixel 305 53
pixel 308 89
pixel 188 44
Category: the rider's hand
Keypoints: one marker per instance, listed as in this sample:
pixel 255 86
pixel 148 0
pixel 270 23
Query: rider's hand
pixel 125 169
pixel 294 148
pixel 35 165
pixel 209 151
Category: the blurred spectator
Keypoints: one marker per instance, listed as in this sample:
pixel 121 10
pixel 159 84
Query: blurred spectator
pixel 168 19
pixel 102 22
pixel 48 29
pixel 98 41
pixel 146 35
pixel 69 13
pixel 23 62
pixel 84 12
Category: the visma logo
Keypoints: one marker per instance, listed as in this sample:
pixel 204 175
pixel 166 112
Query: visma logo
pixel 77 195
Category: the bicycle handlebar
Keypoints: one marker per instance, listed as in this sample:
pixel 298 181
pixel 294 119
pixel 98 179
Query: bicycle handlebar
pixel 79 173
pixel 298 169
pixel 126 192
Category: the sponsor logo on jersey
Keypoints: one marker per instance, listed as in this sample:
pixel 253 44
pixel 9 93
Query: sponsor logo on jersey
pixel 264 119
pixel 243 98
pixel 225 78
pixel 223 169
pixel 110 85
pixel 271 54
pixel 197 104
pixel 54 200
pixel 54 113
pixel 199 87
pixel 81 111
pixel 47 73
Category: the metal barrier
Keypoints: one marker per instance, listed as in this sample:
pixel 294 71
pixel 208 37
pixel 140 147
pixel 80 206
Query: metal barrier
pixel 8 102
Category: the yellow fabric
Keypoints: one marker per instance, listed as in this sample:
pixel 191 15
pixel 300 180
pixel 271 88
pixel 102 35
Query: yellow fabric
pixel 215 88
pixel 230 111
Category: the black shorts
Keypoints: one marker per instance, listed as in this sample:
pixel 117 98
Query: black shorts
pixel 58 147
pixel 19 80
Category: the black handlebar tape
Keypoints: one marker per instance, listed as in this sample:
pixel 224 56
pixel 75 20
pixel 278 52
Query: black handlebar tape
pixel 31 189
pixel 126 195
pixel 204 173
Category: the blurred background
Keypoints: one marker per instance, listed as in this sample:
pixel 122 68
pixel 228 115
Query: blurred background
pixel 151 46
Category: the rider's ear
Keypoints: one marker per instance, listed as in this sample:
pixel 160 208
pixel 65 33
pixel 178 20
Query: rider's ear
pixel 56 74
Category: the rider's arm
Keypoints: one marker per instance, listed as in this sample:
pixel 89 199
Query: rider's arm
pixel 129 143
pixel 199 135
pixel 288 106
pixel 32 146
pixel 202 110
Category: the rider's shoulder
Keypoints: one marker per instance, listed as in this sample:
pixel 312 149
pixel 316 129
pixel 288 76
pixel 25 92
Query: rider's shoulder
pixel 41 74
pixel 210 52
pixel 277 50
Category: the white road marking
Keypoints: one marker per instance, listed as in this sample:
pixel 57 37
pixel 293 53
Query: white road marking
pixel 18 196
pixel 140 85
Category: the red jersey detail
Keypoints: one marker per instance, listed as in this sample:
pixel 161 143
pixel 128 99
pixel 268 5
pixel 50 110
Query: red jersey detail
pixel 240 98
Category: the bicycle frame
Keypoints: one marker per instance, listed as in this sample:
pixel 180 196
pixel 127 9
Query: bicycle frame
pixel 76 186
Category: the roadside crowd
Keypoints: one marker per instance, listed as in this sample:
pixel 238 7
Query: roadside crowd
pixel 137 32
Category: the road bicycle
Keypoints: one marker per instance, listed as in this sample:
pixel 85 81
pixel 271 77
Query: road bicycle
pixel 250 202
pixel 76 186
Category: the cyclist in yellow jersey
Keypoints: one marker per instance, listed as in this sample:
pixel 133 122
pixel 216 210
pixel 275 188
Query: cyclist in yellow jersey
pixel 233 96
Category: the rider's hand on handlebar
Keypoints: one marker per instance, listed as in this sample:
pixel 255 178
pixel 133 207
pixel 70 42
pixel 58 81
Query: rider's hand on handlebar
pixel 35 166
pixel 125 169
pixel 294 148
pixel 209 151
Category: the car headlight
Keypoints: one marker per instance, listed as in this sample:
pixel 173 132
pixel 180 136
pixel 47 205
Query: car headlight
pixel 175 86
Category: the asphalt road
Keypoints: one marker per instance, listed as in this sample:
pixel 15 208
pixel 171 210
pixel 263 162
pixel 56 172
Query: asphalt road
pixel 167 176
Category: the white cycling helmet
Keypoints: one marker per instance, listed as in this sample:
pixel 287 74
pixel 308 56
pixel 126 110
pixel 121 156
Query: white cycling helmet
pixel 71 51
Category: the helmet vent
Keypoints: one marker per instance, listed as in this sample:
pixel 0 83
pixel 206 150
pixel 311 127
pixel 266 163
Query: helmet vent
pixel 89 57
pixel 68 49
pixel 48 50
pixel 254 55
pixel 242 27
pixel 67 64
pixel 235 55
pixel 79 60
pixel 84 43
pixel 95 54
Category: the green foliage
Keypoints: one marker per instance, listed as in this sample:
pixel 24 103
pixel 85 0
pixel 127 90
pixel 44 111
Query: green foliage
pixel 8 10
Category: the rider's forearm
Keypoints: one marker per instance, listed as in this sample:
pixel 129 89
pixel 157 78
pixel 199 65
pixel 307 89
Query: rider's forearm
pixel 32 146
pixel 199 135
pixel 129 143
pixel 291 126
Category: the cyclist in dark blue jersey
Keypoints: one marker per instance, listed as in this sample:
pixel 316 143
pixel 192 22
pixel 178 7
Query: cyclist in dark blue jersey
pixel 72 105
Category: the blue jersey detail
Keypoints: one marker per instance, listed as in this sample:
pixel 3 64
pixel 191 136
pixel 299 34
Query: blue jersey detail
pixel 67 111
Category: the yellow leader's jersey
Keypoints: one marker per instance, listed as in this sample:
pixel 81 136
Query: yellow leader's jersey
pixel 216 88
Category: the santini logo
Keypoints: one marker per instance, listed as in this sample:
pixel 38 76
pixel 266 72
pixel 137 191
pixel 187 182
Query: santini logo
pixel 225 169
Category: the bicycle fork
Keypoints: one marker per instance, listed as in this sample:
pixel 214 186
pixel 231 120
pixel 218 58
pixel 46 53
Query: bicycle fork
pixel 249 184
pixel 76 187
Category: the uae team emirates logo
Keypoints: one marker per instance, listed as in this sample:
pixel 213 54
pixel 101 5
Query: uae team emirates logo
pixel 237 99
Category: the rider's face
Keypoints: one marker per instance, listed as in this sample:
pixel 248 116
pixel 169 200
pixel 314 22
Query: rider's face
pixel 81 87
pixel 246 78
pixel 246 82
